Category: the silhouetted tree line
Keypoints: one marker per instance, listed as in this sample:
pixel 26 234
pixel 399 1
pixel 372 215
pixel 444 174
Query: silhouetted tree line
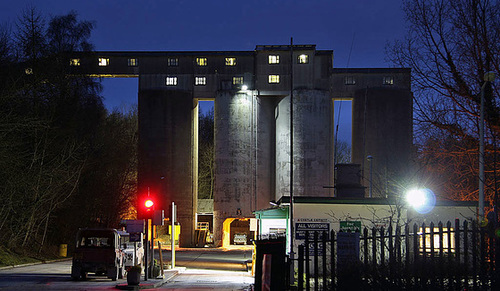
pixel 206 155
pixel 65 161
pixel 450 45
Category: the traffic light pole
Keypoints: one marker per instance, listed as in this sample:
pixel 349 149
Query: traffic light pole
pixel 172 239
pixel 146 252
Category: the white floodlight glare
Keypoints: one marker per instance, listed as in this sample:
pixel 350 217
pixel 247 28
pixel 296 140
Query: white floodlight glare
pixel 422 200
pixel 244 87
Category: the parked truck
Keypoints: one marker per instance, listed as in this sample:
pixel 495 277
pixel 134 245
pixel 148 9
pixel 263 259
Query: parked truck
pixel 98 251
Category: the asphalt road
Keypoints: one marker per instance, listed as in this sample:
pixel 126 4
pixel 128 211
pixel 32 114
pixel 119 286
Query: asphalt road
pixel 236 259
pixel 222 270
pixel 196 279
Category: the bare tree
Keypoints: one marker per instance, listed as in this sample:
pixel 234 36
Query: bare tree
pixel 450 45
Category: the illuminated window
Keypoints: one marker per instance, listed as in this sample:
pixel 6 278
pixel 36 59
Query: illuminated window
pixel 132 62
pixel 388 80
pixel 434 241
pixel 230 61
pixel 200 81
pixel 303 59
pixel 274 59
pixel 172 62
pixel 171 81
pixel 274 79
pixel 74 62
pixel 103 62
pixel 349 80
pixel 202 62
pixel 237 80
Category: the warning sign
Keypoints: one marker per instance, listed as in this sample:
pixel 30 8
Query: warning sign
pixel 312 227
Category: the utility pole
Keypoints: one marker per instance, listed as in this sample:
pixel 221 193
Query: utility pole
pixel 291 165
pixel 488 77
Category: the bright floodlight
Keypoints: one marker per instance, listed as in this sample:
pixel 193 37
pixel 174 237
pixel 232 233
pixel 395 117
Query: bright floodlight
pixel 244 87
pixel 422 200
pixel 416 197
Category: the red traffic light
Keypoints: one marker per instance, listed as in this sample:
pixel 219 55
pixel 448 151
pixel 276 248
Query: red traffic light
pixel 149 203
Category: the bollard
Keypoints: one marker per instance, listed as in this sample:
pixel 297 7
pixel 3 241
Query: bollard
pixel 63 250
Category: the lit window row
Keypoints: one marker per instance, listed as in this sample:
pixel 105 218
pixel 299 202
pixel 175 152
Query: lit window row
pixel 301 59
pixel 104 62
pixel 200 81
pixel 201 62
pixel 350 80
pixel 436 242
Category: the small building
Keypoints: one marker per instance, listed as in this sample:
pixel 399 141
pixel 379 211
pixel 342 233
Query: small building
pixel 353 214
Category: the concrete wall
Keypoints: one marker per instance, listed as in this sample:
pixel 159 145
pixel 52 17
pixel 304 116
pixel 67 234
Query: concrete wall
pixel 252 130
pixel 382 125
pixel 312 144
pixel 234 190
pixel 166 154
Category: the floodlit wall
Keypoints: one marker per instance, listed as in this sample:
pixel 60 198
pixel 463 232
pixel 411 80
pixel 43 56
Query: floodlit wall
pixel 312 144
pixel 252 129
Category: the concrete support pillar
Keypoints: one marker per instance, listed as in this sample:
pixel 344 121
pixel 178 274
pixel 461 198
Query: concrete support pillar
pixel 382 128
pixel 168 155
pixel 312 151
pixel 234 190
pixel 265 153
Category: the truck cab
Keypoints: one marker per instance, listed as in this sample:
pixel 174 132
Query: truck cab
pixel 98 251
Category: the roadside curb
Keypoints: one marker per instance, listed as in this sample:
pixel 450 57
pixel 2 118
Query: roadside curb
pixel 35 263
pixel 153 283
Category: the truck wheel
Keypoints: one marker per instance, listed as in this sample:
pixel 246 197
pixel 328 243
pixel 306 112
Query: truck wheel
pixel 113 273
pixel 75 273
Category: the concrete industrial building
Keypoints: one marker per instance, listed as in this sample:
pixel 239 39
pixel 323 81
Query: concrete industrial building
pixel 251 94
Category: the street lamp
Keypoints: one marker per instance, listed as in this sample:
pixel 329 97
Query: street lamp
pixel 488 77
pixel 422 200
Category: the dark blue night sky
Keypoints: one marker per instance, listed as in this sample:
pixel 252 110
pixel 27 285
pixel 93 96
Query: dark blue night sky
pixel 224 25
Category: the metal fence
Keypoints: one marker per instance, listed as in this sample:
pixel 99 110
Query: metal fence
pixel 459 256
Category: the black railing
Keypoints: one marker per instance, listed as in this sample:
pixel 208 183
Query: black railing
pixel 423 257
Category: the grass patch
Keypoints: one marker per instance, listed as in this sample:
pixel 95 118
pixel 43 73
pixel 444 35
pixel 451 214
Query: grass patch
pixel 11 258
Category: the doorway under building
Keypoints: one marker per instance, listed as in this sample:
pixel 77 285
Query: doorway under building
pixel 236 231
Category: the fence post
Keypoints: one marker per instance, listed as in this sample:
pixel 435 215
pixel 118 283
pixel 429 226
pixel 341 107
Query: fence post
pixel 324 238
pixel 301 268
pixel 316 263
pixel 399 262
pixel 415 254
pixel 423 266
pixel 432 271
pixel 441 256
pixel 474 254
pixel 482 262
pixel 374 253
pixel 457 253
pixel 391 253
pixel 450 257
pixel 308 271
pixel 407 254
pixel 466 255
pixel 332 258
pixel 365 247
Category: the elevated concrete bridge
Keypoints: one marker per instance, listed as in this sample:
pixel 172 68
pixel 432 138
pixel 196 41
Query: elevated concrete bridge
pixel 251 93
